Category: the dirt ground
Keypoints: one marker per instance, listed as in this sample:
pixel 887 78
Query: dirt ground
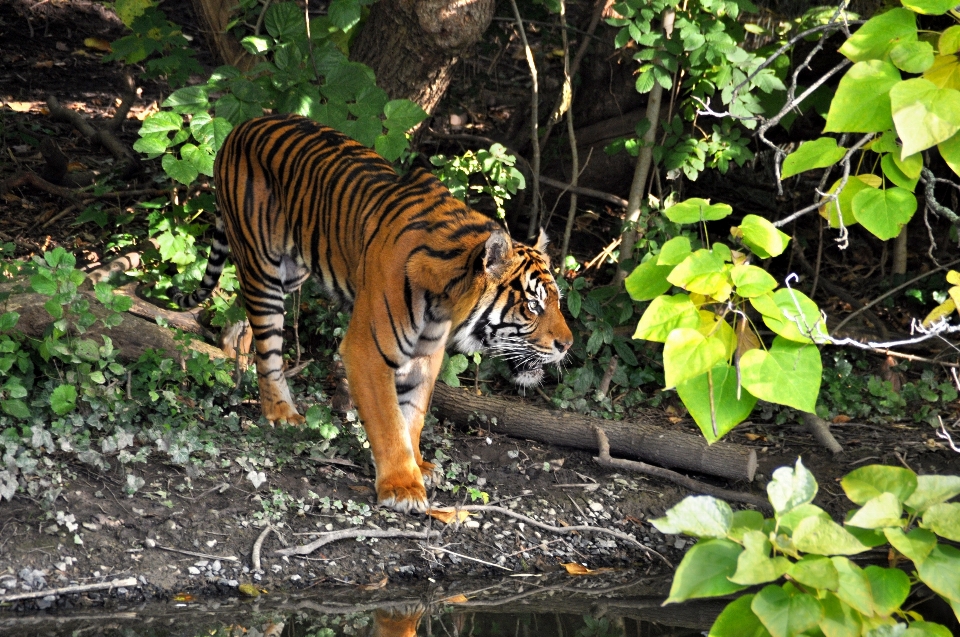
pixel 200 539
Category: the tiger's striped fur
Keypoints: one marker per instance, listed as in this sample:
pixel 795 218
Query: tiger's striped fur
pixel 420 268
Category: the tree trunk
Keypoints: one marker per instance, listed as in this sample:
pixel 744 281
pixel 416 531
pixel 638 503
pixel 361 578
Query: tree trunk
pixel 413 45
pixel 641 437
pixel 214 16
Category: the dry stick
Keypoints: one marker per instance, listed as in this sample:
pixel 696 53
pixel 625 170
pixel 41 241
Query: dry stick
pixel 820 429
pixel 67 590
pixel 467 557
pixel 255 552
pixel 563 530
pixel 347 534
pixel 644 163
pixel 893 291
pixel 205 556
pixel 565 99
pixel 574 156
pixel 534 124
pixel 103 136
pixel 672 476
pixel 32 179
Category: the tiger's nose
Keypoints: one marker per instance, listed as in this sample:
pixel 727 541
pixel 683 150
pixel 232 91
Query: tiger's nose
pixel 563 345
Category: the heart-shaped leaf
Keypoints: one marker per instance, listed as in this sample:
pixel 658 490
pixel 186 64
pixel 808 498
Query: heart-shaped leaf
pixel 788 374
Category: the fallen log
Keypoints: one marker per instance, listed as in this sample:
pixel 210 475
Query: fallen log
pixel 645 436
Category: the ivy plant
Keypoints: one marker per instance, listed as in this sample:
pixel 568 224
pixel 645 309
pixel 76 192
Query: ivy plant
pixel 801 556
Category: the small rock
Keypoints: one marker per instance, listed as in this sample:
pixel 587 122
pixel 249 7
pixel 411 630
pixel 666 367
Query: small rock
pixel 201 563
pixel 276 568
pixel 294 578
pixel 472 524
pixel 216 566
pixel 680 543
pixel 149 543
pixel 193 570
pixel 596 506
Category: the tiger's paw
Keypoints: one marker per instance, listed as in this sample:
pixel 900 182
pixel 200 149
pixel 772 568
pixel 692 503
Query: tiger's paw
pixel 431 476
pixel 403 498
pixel 283 412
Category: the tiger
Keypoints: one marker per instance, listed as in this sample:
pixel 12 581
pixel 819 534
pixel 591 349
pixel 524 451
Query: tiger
pixel 421 270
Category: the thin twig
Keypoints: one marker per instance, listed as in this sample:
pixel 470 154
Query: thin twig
pixel 893 291
pixel 255 552
pixel 67 590
pixel 346 534
pixel 688 483
pixel 467 557
pixel 534 123
pixel 571 135
pixel 205 556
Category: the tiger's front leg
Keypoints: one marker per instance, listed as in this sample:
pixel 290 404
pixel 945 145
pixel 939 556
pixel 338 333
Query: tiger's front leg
pixel 414 382
pixel 372 375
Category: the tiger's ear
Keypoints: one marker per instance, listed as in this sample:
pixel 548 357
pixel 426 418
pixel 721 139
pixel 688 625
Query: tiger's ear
pixel 542 242
pixel 495 253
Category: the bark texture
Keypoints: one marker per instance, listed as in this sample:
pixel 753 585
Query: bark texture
pixel 214 16
pixel 645 437
pixel 413 45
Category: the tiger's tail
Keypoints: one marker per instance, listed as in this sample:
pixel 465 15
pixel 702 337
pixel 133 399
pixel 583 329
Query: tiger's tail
pixel 219 250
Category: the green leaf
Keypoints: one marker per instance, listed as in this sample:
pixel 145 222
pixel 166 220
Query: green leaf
pixel 403 115
pixel 16 408
pixel 862 101
pixel 791 487
pixel 786 615
pixel 180 170
pixel 927 629
pixel 687 353
pixel 825 537
pixel 161 122
pixel 819 153
pixel 54 309
pixel 8 320
pixel 648 281
pixel 191 99
pixel 701 516
pixel 697 210
pixel 789 521
pixel 752 281
pixel 915 545
pixel 63 399
pixel 87 349
pixel 828 210
pixel 929 7
pixel 153 144
pixel 755 566
pixel 784 309
pixel 738 620
pixel 674 251
pixel 863 484
pixel 453 365
pixel 344 14
pixel 788 374
pixel 284 20
pixel 763 239
pixel 944 520
pixel 939 571
pixel 854 587
pixel 884 212
pixel 705 571
pixel 212 133
pixel 665 314
pixel 932 489
pixel 880 34
pixel 743 521
pixel 731 405
pixel 41 283
pixel 950 151
pixel 200 159
pixel 703 273
pixel 391 145
pixel 912 57
pixel 889 586
pixel 815 571
pixel 891 170
pixel 924 114
pixel 879 511
pixel 839 619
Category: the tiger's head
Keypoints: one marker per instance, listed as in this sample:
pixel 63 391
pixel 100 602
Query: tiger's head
pixel 517 315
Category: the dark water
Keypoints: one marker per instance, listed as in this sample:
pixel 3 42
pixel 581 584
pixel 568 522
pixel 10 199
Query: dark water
pixel 558 608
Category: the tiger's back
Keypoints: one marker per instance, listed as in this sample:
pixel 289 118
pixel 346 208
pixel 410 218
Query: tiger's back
pixel 419 267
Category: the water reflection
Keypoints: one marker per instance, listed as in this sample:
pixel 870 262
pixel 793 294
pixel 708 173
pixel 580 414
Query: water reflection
pixel 500 609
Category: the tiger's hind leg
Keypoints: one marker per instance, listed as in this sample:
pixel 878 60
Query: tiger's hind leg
pixel 264 304
pixel 414 382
